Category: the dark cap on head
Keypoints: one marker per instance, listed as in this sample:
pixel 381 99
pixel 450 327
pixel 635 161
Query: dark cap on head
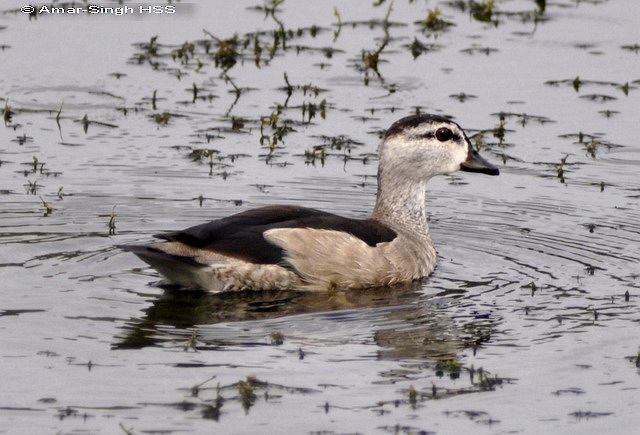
pixel 414 121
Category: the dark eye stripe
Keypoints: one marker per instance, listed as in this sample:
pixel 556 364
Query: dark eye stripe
pixel 431 135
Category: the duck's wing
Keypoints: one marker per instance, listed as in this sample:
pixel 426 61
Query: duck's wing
pixel 242 235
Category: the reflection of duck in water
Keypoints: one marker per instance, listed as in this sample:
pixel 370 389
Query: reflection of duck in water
pixel 289 247
pixel 402 321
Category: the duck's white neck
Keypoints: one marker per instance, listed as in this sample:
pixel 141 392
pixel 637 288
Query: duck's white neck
pixel 400 202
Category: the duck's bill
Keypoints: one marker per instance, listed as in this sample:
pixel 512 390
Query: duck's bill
pixel 475 163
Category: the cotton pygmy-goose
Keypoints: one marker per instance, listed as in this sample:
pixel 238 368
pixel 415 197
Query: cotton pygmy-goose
pixel 290 247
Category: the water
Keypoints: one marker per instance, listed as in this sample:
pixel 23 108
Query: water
pixel 530 321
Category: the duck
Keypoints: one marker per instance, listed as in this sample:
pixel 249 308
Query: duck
pixel 287 247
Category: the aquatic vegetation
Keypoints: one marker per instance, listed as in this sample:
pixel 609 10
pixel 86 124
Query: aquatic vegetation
pixel 309 89
pixel 523 118
pixel 600 98
pixel 127 431
pixel 192 342
pixel 577 83
pixel 275 103
pixel 560 168
pixel 370 59
pixel 161 118
pixel 462 97
pixel 278 127
pixel 451 366
pixel 226 54
pixel 58 115
pixel 112 221
pixel 338 30
pixel 277 338
pixel 86 122
pixel 7 113
pixel 47 207
pixel 631 47
pixel 482 10
pixel 413 395
pixel 433 22
pixel 477 48
pixel 608 113
pixel 23 139
pixel 418 48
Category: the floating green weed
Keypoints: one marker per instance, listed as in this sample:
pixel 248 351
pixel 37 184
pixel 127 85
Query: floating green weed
pixel 184 53
pixel 482 10
pixel 246 392
pixel 450 366
pixel 162 118
pixel 226 54
pixel 434 21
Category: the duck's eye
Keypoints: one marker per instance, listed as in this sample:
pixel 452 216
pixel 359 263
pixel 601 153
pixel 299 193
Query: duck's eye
pixel 443 134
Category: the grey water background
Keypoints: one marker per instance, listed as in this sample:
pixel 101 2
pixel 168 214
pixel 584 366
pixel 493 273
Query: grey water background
pixel 530 322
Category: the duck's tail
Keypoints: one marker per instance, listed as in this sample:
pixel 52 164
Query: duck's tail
pixel 177 269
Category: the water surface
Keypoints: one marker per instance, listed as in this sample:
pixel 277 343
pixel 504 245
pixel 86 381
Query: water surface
pixel 530 322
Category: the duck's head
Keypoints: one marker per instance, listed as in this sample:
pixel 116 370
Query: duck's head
pixel 421 146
